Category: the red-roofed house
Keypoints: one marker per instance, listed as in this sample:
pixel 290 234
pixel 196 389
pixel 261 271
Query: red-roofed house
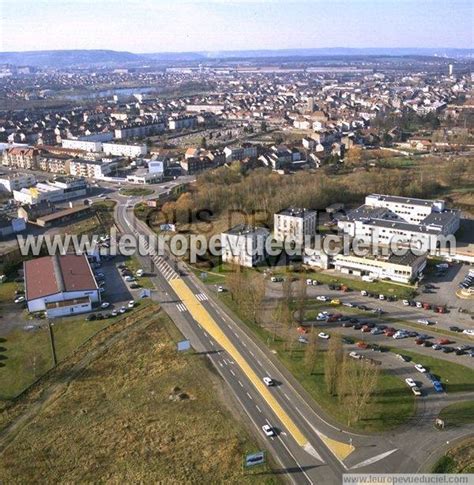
pixel 60 285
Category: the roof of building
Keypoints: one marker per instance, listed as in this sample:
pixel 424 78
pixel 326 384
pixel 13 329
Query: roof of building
pixel 63 213
pixel 57 274
pixel 296 212
pixel 404 200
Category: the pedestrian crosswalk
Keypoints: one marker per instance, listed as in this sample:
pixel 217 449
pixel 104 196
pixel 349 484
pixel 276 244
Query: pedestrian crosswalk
pixel 166 270
pixel 202 297
pixel 181 307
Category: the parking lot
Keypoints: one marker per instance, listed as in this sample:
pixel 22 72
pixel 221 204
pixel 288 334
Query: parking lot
pixel 446 285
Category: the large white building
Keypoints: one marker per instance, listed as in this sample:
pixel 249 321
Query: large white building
pixel 402 269
pixel 123 150
pixel 16 181
pixel 57 191
pixel 61 285
pixel 233 153
pixel 244 245
pixel 293 224
pixel 86 145
pixel 409 221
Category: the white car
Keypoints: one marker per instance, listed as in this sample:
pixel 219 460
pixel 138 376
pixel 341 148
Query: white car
pixel 268 381
pixel 268 430
pixel 322 316
pixel 468 331
pixel 416 391
pixel 355 355
pixel 410 382
pixel 139 273
pixel 424 321
pixel 220 289
pixel 309 282
pixel 131 304
pixel 420 368
pixel 363 293
pixel 419 304
pixel 101 289
pixel 276 279
pixel 381 297
pixel 19 299
pixel 122 310
pixel 129 279
pixel 323 335
pixel 105 304
pixel 322 298
pixel 348 304
pixel 406 302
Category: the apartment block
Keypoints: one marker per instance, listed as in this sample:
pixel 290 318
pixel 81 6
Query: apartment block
pixel 293 224
pixel 244 245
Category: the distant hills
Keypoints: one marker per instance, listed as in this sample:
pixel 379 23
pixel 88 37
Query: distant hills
pixel 66 58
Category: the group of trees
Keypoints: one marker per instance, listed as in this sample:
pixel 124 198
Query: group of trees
pixel 352 381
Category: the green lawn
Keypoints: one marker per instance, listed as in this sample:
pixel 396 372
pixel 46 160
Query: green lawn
pixel 136 191
pixel 459 459
pixel 454 377
pixel 377 287
pixel 393 403
pixel 458 413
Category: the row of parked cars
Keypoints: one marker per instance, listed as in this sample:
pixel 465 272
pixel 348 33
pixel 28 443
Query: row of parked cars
pixel 104 305
pixel 130 277
pixel 421 339
pixel 468 281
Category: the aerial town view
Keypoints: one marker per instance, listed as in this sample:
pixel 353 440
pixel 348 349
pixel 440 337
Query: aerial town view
pixel 237 242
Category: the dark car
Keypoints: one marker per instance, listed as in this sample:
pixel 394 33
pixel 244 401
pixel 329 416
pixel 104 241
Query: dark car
pixel 347 324
pixel 455 329
pixel 91 317
pixel 447 350
pixel 100 316
pixel 354 320
pixel 413 334
pixel 357 326
pixel 459 352
pixel 427 343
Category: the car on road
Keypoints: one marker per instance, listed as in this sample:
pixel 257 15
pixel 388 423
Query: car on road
pixel 322 298
pixel 420 368
pixel 323 335
pixel 268 430
pixel 410 382
pixel 416 391
pixel 105 304
pixel 268 381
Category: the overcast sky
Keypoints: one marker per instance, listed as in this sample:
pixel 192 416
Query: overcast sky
pixel 215 25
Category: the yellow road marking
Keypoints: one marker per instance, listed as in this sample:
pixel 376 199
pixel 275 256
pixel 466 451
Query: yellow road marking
pixel 338 448
pixel 201 315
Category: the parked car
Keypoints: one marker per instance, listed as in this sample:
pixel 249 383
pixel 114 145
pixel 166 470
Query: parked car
pixel 220 289
pixel 122 309
pixel 468 331
pixel 19 299
pixel 105 304
pixel 406 302
pixel 131 304
pixel 322 298
pixel 355 355
pixel 438 387
pixel 335 301
pixel 447 350
pixel 410 382
pixel 91 317
pixel 323 335
pixel 403 358
pixel 416 391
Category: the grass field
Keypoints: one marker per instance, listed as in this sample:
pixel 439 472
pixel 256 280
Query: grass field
pixel 460 459
pixel 393 403
pixel 139 413
pixel 26 355
pixel 136 191
pixel 458 413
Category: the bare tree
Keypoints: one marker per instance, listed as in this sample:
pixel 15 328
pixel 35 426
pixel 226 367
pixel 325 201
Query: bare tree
pixel 333 364
pixel 235 282
pixel 357 386
pixel 311 352
pixel 301 299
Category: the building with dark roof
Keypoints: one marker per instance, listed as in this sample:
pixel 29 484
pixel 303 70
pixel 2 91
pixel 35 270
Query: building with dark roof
pixel 60 278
